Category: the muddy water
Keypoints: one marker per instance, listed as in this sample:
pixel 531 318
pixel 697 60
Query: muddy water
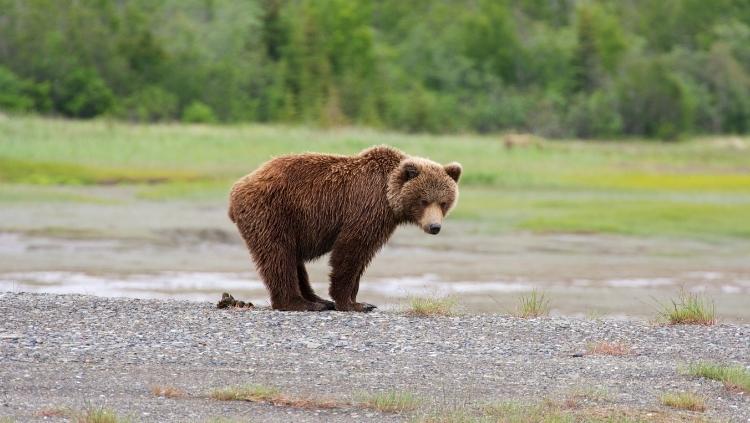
pixel 189 250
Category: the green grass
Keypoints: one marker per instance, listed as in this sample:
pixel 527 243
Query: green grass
pixel 684 401
pixel 535 304
pixel 426 307
pixel 733 377
pixel 390 401
pixel 98 415
pixel 689 309
pixel 694 189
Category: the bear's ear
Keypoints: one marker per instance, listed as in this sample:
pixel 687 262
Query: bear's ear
pixel 410 171
pixel 453 170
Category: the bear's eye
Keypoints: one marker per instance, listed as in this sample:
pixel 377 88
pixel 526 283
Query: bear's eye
pixel 425 203
pixel 443 205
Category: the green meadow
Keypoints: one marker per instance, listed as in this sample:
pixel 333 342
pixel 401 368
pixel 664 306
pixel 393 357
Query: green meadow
pixel 698 188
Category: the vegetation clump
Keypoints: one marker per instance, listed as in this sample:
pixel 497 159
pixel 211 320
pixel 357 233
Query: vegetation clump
pixel 735 378
pixel 689 309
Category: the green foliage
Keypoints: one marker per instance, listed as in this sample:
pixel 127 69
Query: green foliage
pixel 150 104
pixel 83 94
pixel 734 377
pixel 197 112
pixel 599 68
pixel 12 92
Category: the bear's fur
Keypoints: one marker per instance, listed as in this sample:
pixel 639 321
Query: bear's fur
pixel 296 208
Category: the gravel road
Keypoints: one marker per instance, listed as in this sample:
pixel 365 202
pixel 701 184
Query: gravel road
pixel 82 351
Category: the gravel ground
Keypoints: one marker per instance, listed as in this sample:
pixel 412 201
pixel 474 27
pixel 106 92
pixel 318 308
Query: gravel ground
pixel 81 351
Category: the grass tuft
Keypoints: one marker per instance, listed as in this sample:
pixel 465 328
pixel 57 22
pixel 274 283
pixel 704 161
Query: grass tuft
pixel 689 309
pixel 254 393
pixel 533 305
pixel 608 348
pixel 427 307
pixel 390 401
pixel 735 378
pixel 262 393
pixel 167 391
pixel 98 415
pixel 684 401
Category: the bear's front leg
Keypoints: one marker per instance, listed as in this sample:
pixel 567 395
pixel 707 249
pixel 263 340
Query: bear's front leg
pixel 348 261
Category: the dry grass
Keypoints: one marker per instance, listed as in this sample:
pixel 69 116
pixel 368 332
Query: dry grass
pixel 689 309
pixel 533 305
pixel 390 401
pixel 684 401
pixel 735 378
pixel 608 348
pixel 167 391
pixel 428 307
pixel 271 395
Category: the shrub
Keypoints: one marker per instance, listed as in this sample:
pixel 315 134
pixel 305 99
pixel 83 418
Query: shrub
pixel 198 112
pixel 14 95
pixel 82 93
pixel 150 104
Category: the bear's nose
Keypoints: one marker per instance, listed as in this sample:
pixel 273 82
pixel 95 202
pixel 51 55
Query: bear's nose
pixel 434 228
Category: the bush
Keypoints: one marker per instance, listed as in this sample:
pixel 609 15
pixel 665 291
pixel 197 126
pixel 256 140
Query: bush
pixel 594 115
pixel 150 104
pixel 198 112
pixel 82 93
pixel 654 100
pixel 13 92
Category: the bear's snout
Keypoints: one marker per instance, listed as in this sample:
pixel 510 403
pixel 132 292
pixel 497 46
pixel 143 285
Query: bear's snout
pixel 432 218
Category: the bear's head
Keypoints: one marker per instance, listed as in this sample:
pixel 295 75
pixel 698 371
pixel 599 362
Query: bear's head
pixel 421 191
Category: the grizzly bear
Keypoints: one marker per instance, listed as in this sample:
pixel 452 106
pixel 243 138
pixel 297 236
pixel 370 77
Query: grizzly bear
pixel 296 208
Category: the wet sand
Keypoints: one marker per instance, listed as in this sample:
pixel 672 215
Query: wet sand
pixel 190 250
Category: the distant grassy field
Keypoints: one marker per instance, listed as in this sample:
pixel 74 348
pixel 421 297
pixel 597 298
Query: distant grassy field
pixel 694 189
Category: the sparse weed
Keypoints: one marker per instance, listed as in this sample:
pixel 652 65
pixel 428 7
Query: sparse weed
pixel 262 393
pixel 390 401
pixel 689 309
pixel 98 415
pixel 428 307
pixel 533 305
pixel 608 348
pixel 735 378
pixel 684 401
pixel 255 393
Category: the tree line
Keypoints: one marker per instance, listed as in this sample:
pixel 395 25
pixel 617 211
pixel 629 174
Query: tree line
pixel 559 68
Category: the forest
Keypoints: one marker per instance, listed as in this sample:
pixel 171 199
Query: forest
pixel 556 68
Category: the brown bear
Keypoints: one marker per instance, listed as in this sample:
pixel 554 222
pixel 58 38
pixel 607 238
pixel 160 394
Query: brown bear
pixel 296 208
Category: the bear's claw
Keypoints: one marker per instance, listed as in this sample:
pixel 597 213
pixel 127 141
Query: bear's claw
pixel 329 305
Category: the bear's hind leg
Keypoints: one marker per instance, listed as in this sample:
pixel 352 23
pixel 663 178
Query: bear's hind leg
pixel 307 291
pixel 279 272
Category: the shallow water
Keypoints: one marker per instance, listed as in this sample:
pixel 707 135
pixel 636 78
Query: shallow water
pixel 191 251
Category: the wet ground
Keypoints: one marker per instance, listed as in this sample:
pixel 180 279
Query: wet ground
pixel 190 250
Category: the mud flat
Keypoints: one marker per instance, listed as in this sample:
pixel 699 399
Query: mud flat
pixel 70 352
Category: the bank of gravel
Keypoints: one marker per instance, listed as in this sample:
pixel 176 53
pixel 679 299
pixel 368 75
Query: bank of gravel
pixel 77 351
